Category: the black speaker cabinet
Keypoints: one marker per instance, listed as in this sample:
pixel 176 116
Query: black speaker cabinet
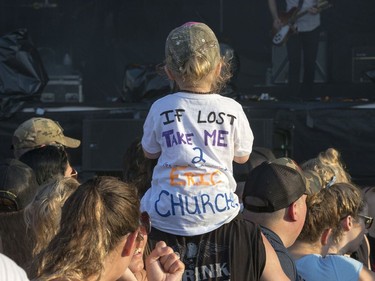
pixel 363 61
pixel 263 138
pixel 105 141
pixel 263 132
pixel 280 64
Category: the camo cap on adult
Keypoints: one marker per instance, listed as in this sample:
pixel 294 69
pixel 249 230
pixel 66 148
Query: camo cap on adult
pixel 274 185
pixel 37 132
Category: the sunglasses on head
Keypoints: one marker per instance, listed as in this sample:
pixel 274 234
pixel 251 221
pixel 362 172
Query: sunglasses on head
pixel 368 220
pixel 8 201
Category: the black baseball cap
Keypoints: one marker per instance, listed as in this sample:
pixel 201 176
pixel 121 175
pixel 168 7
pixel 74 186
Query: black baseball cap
pixel 274 185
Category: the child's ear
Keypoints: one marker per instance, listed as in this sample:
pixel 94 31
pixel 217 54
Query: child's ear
pixel 169 73
pixel 129 244
pixel 218 69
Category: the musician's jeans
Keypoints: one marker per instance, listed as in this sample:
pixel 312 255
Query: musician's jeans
pixel 303 45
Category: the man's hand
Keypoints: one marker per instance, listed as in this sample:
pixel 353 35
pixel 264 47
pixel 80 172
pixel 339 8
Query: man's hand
pixel 163 264
pixel 277 24
pixel 314 10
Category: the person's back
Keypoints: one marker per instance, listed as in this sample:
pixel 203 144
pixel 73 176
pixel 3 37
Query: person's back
pixel 235 251
pixel 196 133
pixel 275 198
pixel 329 267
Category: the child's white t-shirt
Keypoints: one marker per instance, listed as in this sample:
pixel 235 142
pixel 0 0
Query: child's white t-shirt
pixel 193 186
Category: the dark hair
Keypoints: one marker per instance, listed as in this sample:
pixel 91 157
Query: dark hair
pixel 18 187
pixel 137 169
pixel 47 162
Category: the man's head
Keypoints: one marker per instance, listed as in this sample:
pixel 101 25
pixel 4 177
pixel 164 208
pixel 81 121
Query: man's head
pixel 37 132
pixel 276 190
pixel 274 185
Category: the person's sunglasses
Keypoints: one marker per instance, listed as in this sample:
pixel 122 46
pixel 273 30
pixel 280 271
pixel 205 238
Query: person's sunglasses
pixel 368 220
pixel 8 201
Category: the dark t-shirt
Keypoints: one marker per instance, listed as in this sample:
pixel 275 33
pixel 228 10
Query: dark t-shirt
pixel 234 251
pixel 286 260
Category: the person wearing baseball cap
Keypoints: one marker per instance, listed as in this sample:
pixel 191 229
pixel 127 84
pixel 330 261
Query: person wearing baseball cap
pixel 275 197
pixel 37 132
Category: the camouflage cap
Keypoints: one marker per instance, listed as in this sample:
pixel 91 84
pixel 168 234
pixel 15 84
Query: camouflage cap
pixel 314 182
pixel 189 40
pixel 37 132
pixel 274 185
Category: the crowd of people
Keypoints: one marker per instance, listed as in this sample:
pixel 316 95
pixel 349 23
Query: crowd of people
pixel 179 212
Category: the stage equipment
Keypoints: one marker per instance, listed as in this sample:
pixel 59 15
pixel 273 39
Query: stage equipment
pixel 363 62
pixel 280 64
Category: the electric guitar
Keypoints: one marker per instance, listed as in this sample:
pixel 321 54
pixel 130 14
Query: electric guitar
pixel 288 20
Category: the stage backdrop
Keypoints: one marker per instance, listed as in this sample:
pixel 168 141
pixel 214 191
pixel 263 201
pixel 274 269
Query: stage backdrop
pixel 102 37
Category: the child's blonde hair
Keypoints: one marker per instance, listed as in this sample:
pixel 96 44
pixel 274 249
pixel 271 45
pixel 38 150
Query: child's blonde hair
pixel 192 52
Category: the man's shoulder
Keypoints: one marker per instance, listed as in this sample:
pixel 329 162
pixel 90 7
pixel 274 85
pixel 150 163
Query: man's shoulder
pixel 241 229
pixel 272 236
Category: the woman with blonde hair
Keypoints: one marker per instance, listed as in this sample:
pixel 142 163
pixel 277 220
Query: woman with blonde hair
pixel 100 224
pixel 329 165
pixel 43 214
pixel 331 169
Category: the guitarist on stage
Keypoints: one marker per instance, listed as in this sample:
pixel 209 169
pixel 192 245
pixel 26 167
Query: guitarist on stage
pixel 303 39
